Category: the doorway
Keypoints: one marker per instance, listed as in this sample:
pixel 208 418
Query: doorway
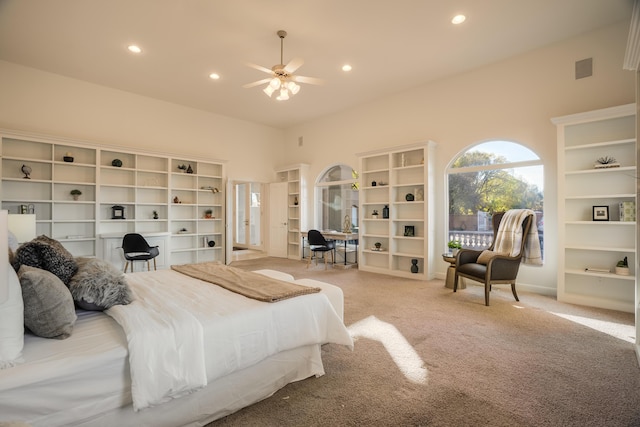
pixel 247 217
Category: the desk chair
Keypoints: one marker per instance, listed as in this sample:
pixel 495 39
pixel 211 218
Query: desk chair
pixel 136 248
pixel 317 243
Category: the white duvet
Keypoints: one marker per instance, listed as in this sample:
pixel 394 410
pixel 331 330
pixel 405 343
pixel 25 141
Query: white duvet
pixel 183 333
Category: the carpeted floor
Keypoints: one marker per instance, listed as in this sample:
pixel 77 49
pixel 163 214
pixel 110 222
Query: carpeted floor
pixel 425 356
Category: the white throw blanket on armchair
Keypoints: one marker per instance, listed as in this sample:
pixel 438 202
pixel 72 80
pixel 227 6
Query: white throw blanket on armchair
pixel 509 237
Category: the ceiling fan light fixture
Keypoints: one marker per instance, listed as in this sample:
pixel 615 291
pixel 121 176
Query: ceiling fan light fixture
pixel 268 90
pixel 284 94
pixel 275 83
pixel 293 87
pixel 282 76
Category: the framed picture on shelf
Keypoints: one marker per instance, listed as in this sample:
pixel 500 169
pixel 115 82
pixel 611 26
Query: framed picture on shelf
pixel 601 213
pixel 409 231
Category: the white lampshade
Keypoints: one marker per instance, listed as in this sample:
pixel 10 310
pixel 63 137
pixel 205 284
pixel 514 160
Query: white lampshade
pixel 293 87
pixel 23 226
pixel 284 94
pixel 269 90
pixel 275 83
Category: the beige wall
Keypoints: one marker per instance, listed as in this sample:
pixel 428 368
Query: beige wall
pixel 512 100
pixel 36 101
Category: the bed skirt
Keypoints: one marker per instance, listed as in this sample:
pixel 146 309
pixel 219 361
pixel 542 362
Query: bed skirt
pixel 222 397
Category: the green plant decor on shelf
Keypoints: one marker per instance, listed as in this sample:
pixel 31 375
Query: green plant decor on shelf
pixel 622 267
pixel 75 193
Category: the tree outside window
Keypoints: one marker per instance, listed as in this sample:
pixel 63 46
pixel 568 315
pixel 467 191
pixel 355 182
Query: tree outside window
pixel 492 177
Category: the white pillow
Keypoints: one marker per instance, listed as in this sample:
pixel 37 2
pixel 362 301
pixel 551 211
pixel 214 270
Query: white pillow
pixel 11 322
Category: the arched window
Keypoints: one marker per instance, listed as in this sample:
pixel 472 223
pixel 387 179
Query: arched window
pixel 337 197
pixel 492 177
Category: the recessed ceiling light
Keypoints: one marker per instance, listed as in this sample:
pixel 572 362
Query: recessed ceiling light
pixel 458 19
pixel 346 67
pixel 214 76
pixel 133 48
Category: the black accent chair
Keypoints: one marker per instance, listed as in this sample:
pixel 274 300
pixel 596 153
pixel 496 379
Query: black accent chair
pixel 317 243
pixel 136 248
pixel 499 270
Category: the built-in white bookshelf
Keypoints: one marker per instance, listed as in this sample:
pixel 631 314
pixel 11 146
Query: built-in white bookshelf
pixel 591 243
pixel 296 178
pixel 183 209
pixel 398 179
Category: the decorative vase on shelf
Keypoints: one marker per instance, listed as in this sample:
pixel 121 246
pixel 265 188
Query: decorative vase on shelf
pixel 414 265
pixel 385 211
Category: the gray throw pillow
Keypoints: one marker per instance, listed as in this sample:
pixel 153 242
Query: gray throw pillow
pixel 47 254
pixel 49 311
pixel 98 285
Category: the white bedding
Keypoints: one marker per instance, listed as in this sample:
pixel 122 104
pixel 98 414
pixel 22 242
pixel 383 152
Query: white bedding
pixel 167 342
pixel 85 379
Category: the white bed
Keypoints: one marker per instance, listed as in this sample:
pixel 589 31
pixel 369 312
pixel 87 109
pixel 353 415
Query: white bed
pixel 251 349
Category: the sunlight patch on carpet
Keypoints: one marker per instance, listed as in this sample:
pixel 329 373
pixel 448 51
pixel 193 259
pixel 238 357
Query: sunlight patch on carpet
pixel 402 353
pixel 617 330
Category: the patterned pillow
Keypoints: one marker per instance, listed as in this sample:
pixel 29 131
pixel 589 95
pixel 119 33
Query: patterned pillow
pixel 49 311
pixel 47 254
pixel 98 285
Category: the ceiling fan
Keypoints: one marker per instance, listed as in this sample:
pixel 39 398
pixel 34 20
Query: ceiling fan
pixel 282 77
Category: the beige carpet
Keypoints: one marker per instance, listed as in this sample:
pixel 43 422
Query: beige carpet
pixel 425 356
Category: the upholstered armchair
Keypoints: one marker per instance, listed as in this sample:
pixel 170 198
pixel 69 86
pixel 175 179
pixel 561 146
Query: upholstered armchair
pixel 493 266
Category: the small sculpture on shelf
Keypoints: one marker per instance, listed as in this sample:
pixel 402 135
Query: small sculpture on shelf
pixel 377 246
pixel 606 162
pixel 295 200
pixel 176 200
pixel 155 215
pixel 75 193
pixel 414 265
pixel 116 163
pixel 189 169
pixel 374 215
pixel 182 168
pixel 26 170
pixel 346 225
pixel 208 213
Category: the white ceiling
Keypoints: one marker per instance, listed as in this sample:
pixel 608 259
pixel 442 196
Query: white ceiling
pixel 392 45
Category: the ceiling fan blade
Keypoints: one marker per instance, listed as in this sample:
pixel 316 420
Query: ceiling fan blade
pixel 293 65
pixel 260 68
pixel 309 80
pixel 259 82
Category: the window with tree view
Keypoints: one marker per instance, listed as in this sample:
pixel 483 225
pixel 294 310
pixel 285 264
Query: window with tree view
pixel 492 177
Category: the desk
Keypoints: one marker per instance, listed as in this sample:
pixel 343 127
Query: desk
pixel 334 235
